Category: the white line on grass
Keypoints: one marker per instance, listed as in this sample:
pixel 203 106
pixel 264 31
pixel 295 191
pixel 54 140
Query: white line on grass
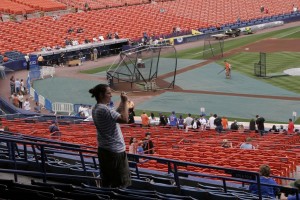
pixel 202 51
pixel 289 34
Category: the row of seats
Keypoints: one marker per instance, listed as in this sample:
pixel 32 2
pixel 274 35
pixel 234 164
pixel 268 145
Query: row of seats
pixel 43 5
pixel 18 7
pixel 156 19
pixel 100 4
pixel 10 7
pixel 199 146
pixel 139 190
pixel 143 185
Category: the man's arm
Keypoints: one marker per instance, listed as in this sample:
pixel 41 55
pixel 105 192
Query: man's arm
pixel 123 110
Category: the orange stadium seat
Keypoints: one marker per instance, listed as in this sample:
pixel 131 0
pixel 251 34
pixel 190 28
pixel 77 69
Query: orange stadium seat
pixel 43 5
pixel 201 147
pixel 10 7
pixel 129 21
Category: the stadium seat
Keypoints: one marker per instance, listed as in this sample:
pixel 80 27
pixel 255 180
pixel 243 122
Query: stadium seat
pixel 221 196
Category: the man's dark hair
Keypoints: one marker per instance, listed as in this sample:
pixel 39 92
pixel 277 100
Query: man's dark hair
pixel 98 90
pixel 257 116
pixel 215 115
pixel 290 120
pixel 189 114
pixel 147 134
pixel 264 170
pixel 131 140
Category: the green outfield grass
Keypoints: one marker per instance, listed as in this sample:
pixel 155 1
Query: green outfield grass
pixel 96 70
pixel 295 35
pixel 276 63
pixel 197 53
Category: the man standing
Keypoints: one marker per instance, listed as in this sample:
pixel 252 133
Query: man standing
pixel 173 119
pixel 40 60
pixel 203 122
pixel 291 126
pixel 225 123
pixel 227 69
pixel 188 121
pixel 27 59
pixel 145 119
pixel 218 123
pixel 211 121
pixel 130 105
pixel 114 168
pixel 95 53
pixel 162 120
pixel 148 144
pixel 17 85
pixel 260 122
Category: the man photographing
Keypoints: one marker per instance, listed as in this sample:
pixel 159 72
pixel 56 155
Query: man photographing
pixel 114 169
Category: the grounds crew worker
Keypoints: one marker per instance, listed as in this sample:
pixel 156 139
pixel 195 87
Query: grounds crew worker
pixel 227 69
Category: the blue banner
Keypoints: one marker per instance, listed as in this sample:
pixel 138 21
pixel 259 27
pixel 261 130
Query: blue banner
pixel 28 83
pixel 34 75
pixel 33 60
pixel 34 67
pixel 15 65
pixel 36 96
pixel 48 104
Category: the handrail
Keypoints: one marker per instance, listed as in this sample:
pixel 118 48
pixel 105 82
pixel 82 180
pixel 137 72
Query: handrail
pixel 45 145
pixel 21 136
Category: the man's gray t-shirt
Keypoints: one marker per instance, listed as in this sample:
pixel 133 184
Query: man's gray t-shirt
pixel 188 121
pixel 247 146
pixel 109 135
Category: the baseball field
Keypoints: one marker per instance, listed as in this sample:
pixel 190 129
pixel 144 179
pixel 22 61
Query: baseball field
pixel 198 84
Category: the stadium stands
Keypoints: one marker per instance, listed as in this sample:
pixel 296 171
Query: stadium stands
pixel 18 7
pixel 178 145
pixel 43 5
pixel 100 4
pixel 158 19
pixel 38 157
pixel 11 7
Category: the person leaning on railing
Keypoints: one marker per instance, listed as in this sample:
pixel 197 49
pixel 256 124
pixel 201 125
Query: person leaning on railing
pixel 265 178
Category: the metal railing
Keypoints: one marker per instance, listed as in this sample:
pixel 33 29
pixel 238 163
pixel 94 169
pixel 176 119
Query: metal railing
pixel 18 145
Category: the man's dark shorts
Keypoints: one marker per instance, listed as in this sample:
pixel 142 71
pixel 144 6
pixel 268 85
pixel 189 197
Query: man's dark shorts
pixel 114 169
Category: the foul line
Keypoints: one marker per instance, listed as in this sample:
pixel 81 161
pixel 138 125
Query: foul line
pixel 201 51
pixel 289 34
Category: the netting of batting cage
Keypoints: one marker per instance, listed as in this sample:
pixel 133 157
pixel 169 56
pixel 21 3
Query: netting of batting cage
pixel 274 64
pixel 213 45
pixel 144 68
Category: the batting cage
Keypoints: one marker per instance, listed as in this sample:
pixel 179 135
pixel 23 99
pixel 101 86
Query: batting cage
pixel 274 64
pixel 260 68
pixel 144 69
pixel 214 45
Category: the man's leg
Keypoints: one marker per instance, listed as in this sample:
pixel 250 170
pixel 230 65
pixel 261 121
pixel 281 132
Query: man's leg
pixel 121 177
pixel 104 165
pixel 262 132
pixel 227 73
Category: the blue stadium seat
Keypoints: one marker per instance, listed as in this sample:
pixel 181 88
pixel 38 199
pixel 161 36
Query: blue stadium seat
pixel 164 188
pixel 222 196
